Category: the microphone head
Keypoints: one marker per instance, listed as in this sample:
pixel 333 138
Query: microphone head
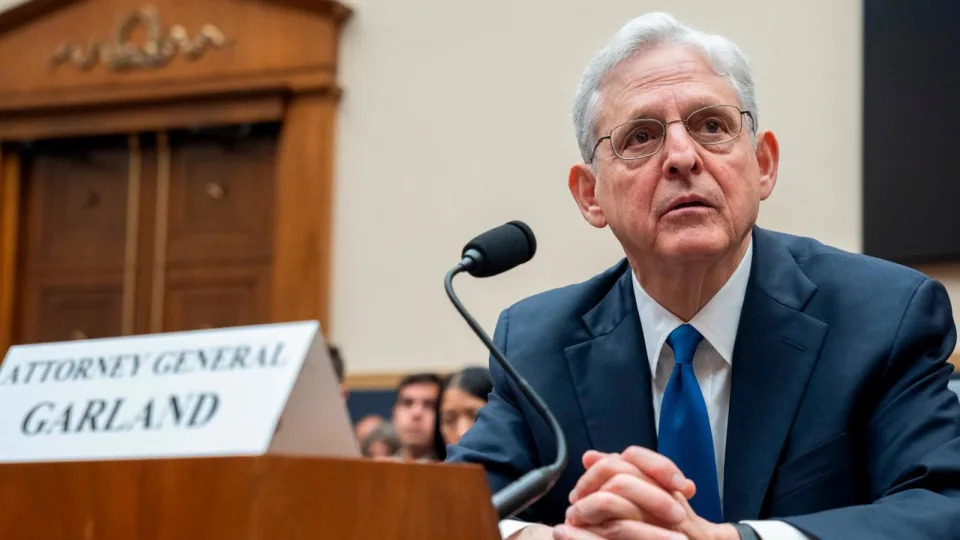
pixel 501 249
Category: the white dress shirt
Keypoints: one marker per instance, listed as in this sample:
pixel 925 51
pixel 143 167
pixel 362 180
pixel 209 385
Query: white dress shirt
pixel 717 322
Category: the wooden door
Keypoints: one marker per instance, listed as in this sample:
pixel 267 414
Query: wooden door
pixel 73 242
pixel 216 268
pixel 146 233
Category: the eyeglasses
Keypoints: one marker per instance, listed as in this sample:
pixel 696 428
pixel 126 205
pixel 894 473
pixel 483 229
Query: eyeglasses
pixel 637 139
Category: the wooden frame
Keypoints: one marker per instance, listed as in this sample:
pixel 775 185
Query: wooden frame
pixel 280 65
pixel 304 194
pixel 139 117
pixel 9 221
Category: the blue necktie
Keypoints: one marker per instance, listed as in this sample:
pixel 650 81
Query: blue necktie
pixel 685 436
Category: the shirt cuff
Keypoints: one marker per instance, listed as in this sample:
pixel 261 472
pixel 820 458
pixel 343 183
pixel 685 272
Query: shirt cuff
pixel 511 526
pixel 775 530
pixel 766 530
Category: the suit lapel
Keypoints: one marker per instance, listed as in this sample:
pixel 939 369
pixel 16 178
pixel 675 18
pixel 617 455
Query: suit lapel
pixel 776 350
pixel 611 374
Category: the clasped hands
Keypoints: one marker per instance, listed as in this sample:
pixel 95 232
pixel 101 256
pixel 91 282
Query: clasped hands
pixel 636 494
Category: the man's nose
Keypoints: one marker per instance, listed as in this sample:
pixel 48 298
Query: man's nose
pixel 680 153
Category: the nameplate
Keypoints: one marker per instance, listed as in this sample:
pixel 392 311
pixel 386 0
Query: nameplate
pixel 236 391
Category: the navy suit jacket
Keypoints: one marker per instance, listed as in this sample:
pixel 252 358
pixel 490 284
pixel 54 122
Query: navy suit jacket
pixel 840 418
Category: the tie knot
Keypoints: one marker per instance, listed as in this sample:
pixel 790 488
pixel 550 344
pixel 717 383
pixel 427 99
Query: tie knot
pixel 684 341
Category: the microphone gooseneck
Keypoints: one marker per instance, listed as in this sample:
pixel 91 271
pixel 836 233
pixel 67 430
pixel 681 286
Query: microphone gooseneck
pixel 499 250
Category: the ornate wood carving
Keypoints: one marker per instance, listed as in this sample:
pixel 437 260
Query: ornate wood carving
pixel 122 53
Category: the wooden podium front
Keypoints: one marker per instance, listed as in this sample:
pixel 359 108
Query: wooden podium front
pixel 245 498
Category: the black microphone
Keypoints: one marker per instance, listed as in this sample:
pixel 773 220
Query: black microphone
pixel 489 254
pixel 500 249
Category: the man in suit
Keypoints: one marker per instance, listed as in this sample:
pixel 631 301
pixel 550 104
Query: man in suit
pixel 723 381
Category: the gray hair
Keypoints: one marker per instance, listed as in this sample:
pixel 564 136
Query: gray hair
pixel 644 33
pixel 384 433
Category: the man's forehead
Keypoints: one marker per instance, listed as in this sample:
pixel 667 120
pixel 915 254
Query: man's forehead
pixel 661 78
pixel 419 390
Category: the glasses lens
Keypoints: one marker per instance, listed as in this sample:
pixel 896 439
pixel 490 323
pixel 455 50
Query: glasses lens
pixel 715 125
pixel 637 139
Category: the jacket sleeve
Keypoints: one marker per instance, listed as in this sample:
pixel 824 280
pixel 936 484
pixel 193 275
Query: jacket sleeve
pixel 912 437
pixel 500 440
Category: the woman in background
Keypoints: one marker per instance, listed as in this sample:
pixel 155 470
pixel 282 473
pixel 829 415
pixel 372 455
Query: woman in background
pixel 463 394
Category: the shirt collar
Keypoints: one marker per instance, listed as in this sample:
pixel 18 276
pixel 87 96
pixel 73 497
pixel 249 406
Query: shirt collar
pixel 717 321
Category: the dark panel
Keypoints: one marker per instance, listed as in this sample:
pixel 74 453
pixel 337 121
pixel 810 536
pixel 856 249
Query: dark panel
pixel 221 194
pixel 72 239
pixel 911 128
pixel 76 211
pixel 362 403
pixel 61 308
pixel 215 298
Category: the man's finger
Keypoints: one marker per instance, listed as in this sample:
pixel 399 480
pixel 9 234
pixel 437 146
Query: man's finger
pixel 601 471
pixel 568 532
pixel 650 498
pixel 660 469
pixel 617 530
pixel 602 506
pixel 591 457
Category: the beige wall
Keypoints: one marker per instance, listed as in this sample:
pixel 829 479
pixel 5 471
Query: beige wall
pixel 455 118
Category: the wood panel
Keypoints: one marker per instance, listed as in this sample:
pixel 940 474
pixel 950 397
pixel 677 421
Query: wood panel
pixel 66 307
pixel 221 195
pixel 216 297
pixel 9 230
pixel 259 498
pixel 76 205
pixel 263 36
pixel 101 120
pixel 304 203
pixel 74 235
pixel 373 381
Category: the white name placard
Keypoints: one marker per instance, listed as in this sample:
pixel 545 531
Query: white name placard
pixel 235 391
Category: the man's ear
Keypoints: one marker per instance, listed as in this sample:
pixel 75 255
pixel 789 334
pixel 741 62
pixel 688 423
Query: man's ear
pixel 583 187
pixel 768 158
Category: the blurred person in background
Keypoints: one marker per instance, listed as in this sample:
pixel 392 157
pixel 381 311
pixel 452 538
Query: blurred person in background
pixel 381 442
pixel 366 425
pixel 464 394
pixel 414 416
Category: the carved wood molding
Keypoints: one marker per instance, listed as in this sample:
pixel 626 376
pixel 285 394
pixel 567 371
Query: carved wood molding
pixel 162 45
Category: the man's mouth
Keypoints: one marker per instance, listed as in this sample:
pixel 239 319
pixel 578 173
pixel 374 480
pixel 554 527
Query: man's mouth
pixel 691 204
pixel 690 201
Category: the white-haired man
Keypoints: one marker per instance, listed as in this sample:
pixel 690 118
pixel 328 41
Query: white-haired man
pixel 723 381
